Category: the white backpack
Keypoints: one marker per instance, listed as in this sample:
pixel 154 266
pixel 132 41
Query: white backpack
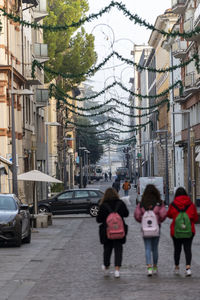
pixel 150 227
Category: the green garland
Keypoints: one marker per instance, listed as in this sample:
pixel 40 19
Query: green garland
pixel 0 26
pixel 177 83
pixel 93 70
pixel 120 6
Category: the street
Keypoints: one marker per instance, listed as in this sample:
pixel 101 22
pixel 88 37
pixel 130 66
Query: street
pixel 64 261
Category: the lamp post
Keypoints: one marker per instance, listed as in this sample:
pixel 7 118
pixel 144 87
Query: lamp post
pixel 65 163
pixel 47 150
pixel 81 166
pixel 188 147
pixel 14 160
pixel 166 165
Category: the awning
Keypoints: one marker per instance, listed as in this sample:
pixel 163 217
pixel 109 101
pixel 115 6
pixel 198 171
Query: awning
pixel 198 157
pixel 5 161
pixel 36 175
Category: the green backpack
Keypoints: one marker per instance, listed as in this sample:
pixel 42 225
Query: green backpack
pixel 182 227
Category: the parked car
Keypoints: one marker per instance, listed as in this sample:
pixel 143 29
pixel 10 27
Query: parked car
pixel 72 201
pixel 14 220
pixel 142 183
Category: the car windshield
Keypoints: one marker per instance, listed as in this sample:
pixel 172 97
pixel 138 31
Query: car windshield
pixel 7 203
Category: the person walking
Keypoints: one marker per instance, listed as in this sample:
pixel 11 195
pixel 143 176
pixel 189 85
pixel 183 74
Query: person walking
pixel 109 204
pixel 116 185
pixel 182 208
pixel 151 212
pixel 126 187
pixel 106 176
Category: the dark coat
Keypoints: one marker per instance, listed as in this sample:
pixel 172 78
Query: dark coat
pixel 116 185
pixel 103 214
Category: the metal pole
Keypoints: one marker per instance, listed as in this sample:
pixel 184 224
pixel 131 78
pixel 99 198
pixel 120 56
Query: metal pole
pixel 189 158
pixel 167 174
pixel 173 129
pixel 47 159
pixel 81 172
pixel 192 144
pixel 149 160
pixel 14 160
pixel 64 166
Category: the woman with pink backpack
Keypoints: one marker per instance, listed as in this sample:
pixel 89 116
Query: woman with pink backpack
pixel 151 212
pixel 112 230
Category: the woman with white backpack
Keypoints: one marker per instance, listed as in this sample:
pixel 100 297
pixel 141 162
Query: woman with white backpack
pixel 151 212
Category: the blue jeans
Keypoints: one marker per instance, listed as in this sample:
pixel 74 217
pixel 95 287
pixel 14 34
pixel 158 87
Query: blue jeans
pixel 151 245
pixel 126 193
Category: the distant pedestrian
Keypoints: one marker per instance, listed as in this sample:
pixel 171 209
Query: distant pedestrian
pixel 110 175
pixel 106 176
pixel 184 215
pixel 126 187
pixel 116 185
pixel 84 181
pixel 109 204
pixel 150 213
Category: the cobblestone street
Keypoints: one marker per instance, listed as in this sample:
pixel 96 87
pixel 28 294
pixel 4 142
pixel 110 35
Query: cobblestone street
pixel 64 262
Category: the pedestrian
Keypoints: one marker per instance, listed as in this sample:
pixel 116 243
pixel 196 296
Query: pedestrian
pixel 182 208
pixel 151 212
pixel 109 204
pixel 126 187
pixel 84 181
pixel 106 176
pixel 116 185
pixel 110 175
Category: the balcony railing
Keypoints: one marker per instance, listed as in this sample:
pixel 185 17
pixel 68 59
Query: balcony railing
pixel 40 11
pixel 39 76
pixel 188 27
pixel 191 83
pixel 33 2
pixel 179 49
pixel 178 6
pixel 41 52
pixel 42 97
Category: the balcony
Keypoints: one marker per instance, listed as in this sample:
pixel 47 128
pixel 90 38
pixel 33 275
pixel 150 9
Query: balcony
pixel 179 49
pixel 33 2
pixel 42 97
pixel 39 76
pixel 40 11
pixel 191 83
pixel 41 52
pixel 178 6
pixel 188 26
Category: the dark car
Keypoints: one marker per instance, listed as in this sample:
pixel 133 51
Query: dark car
pixel 73 201
pixel 14 220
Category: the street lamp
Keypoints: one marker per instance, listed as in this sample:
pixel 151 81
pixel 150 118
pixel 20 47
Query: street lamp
pixel 14 160
pixel 65 162
pixel 81 165
pixel 187 111
pixel 166 165
pixel 47 149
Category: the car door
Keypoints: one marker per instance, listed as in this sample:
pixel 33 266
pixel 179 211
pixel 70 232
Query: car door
pixel 62 202
pixel 82 200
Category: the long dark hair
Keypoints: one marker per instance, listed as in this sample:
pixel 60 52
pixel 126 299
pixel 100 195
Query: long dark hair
pixel 150 197
pixel 180 192
pixel 109 195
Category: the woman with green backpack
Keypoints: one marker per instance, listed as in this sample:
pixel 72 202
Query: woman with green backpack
pixel 184 215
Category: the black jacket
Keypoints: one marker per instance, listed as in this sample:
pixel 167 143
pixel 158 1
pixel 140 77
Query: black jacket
pixel 103 214
pixel 116 185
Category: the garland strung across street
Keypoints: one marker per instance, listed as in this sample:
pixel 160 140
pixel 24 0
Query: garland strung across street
pixel 93 70
pixel 177 83
pixel 110 120
pixel 121 7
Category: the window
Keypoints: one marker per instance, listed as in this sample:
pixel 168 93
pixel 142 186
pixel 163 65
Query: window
pixel 93 194
pixel 81 194
pixel 66 195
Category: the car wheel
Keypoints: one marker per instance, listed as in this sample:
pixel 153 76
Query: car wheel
pixel 27 239
pixel 18 240
pixel 43 209
pixel 94 209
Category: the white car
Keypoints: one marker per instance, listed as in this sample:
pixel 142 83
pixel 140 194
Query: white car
pixel 144 181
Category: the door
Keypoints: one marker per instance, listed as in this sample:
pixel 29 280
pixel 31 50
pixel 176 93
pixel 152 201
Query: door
pixel 82 200
pixel 62 202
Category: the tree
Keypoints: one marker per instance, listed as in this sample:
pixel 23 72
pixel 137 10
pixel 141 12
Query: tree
pixel 85 138
pixel 68 53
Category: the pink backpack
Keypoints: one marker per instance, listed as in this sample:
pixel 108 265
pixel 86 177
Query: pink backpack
pixel 150 227
pixel 115 225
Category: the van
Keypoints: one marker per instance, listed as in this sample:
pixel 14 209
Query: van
pixel 144 181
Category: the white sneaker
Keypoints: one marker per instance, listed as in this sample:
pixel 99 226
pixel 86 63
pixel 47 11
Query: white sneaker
pixel 176 271
pixel 105 271
pixel 149 271
pixel 188 272
pixel 117 274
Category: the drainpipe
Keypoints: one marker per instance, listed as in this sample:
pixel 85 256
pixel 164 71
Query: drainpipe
pixel 193 177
